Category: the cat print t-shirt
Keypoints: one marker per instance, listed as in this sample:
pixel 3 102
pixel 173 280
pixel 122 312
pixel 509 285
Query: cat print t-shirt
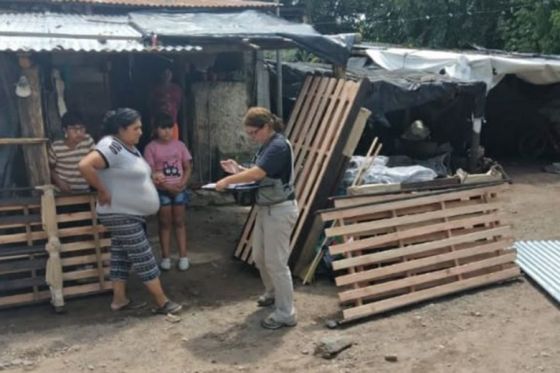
pixel 167 158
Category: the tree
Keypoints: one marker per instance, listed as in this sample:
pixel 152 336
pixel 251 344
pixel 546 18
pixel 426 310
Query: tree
pixel 516 25
pixel 533 27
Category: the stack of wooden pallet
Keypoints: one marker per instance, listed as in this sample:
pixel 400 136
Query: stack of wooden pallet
pixel 324 129
pixel 410 249
pixel 84 253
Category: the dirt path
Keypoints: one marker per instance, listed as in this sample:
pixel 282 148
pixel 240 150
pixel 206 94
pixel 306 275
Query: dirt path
pixel 511 328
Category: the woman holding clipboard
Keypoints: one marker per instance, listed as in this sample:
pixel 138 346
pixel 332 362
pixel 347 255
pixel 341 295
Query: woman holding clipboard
pixel 276 209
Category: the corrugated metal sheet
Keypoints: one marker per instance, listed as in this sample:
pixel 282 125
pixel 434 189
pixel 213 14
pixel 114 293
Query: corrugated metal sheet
pixel 540 260
pixel 41 32
pixel 67 24
pixel 239 4
pixel 42 44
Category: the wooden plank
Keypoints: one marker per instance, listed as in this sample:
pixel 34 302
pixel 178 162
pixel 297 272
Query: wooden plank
pixel 357 132
pixel 422 263
pixel 21 283
pixel 308 253
pixel 408 219
pixel 14 266
pixel 87 289
pixel 41 235
pixel 84 259
pixel 448 273
pixel 335 214
pixel 302 141
pixel 74 216
pixel 74 199
pixel 352 201
pixel 385 239
pixel 18 203
pixel 84 274
pixel 419 296
pixel 84 245
pixel 81 231
pixel 12 300
pixel 97 240
pixel 21 251
pixel 304 116
pixel 15 221
pixel 394 254
pixel 302 96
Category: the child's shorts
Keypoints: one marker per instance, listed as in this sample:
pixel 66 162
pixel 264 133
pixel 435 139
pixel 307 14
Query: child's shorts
pixel 166 199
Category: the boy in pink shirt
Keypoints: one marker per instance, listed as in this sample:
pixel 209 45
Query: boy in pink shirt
pixel 170 161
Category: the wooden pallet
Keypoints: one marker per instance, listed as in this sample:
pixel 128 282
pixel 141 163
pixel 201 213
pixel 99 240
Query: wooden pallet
pixel 84 254
pixel 319 129
pixel 409 250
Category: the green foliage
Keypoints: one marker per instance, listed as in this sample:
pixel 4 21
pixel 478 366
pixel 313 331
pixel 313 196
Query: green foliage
pixel 533 27
pixel 516 25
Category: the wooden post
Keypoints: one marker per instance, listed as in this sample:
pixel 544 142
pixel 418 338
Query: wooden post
pixel 53 273
pixel 32 126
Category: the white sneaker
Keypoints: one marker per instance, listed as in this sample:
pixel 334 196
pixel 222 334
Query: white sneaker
pixel 183 264
pixel 165 264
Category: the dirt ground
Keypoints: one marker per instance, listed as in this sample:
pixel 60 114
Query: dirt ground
pixel 507 328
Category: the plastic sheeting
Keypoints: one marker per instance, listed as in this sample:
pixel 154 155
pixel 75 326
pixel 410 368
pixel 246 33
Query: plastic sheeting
pixel 239 25
pixel 469 67
pixel 380 173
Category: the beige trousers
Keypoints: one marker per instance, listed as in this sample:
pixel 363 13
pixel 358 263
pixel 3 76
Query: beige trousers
pixel 271 251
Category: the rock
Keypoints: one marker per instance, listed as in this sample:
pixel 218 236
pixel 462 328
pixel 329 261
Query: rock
pixel 476 314
pixel 441 347
pixel 213 361
pixel 28 363
pixel 172 318
pixel 331 324
pixel 91 367
pixel 330 347
pixel 544 354
pixel 305 352
pixel 391 358
pixel 16 362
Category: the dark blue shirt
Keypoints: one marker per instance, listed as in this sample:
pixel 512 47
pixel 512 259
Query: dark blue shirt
pixel 275 158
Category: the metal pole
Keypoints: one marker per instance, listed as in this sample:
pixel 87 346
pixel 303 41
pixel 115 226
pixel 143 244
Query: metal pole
pixel 279 91
pixel 475 144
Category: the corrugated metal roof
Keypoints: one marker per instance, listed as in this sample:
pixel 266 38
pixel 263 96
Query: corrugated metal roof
pixel 540 260
pixel 67 24
pixel 41 32
pixel 46 44
pixel 238 4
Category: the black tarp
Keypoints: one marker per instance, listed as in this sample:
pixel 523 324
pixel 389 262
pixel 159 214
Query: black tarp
pixel 446 105
pixel 177 27
pixel 391 91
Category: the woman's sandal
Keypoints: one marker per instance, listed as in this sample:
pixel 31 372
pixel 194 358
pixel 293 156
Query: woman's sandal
pixel 168 308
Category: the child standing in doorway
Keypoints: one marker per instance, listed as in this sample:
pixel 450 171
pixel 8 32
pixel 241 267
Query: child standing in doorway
pixel 171 164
